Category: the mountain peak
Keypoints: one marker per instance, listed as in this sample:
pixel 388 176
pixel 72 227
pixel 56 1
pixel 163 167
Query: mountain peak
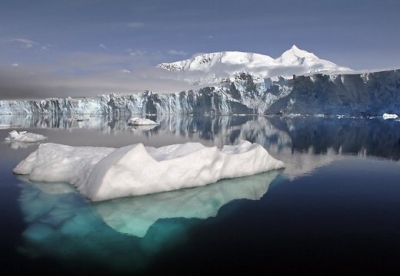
pixel 294 48
pixel 295 52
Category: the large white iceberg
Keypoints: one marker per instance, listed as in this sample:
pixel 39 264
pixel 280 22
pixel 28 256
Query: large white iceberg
pixel 107 173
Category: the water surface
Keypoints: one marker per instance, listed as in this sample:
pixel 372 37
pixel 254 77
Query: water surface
pixel 333 209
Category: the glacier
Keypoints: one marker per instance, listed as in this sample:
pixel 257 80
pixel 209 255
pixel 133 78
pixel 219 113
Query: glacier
pixel 349 94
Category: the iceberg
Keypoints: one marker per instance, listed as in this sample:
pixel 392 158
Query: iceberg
pixel 136 121
pixel 108 173
pixel 388 116
pixel 24 136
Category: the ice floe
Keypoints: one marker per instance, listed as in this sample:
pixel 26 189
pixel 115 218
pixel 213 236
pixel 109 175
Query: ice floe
pixel 388 116
pixel 107 173
pixel 24 136
pixel 136 121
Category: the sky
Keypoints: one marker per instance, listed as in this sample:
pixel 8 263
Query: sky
pixel 65 48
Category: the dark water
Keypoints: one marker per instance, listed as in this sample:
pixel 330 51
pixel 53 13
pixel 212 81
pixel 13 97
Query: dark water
pixel 334 208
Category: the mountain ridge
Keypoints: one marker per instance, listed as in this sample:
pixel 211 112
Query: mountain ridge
pixel 212 68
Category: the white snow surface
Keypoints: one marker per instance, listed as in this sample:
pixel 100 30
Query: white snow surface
pixel 107 173
pixel 23 136
pixel 137 121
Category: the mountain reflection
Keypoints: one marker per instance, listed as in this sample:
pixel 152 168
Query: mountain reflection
pixel 364 136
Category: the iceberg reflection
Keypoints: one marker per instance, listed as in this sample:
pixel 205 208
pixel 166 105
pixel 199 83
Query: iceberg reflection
pixel 135 215
pixel 122 234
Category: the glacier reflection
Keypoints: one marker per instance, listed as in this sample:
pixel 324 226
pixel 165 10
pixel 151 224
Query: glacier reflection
pixel 135 215
pixel 121 234
pixel 354 136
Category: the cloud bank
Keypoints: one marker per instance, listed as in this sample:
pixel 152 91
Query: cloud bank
pixel 74 80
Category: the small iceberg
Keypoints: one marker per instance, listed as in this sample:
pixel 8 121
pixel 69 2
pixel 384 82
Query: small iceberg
pixel 389 116
pixel 23 136
pixel 108 173
pixel 136 121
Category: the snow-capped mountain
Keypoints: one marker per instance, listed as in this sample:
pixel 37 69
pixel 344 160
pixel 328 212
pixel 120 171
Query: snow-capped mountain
pixel 212 68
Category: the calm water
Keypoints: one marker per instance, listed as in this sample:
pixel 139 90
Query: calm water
pixel 335 208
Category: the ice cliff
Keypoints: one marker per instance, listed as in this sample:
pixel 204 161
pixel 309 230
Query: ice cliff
pixel 355 94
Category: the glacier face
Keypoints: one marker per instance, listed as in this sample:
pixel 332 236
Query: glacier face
pixel 242 95
pixel 365 94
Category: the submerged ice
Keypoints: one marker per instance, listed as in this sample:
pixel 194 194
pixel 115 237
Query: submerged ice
pixel 107 173
pixel 135 216
pixel 123 235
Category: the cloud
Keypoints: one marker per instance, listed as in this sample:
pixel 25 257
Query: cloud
pixel 136 53
pixel 135 25
pixel 103 46
pixel 177 53
pixel 85 77
pixel 46 47
pixel 25 43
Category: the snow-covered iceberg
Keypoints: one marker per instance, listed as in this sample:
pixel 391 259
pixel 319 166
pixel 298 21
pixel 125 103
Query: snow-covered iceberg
pixel 24 136
pixel 107 173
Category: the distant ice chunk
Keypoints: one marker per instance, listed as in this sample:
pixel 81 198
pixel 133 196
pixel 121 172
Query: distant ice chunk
pixel 107 173
pixel 24 136
pixel 136 121
pixel 389 116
